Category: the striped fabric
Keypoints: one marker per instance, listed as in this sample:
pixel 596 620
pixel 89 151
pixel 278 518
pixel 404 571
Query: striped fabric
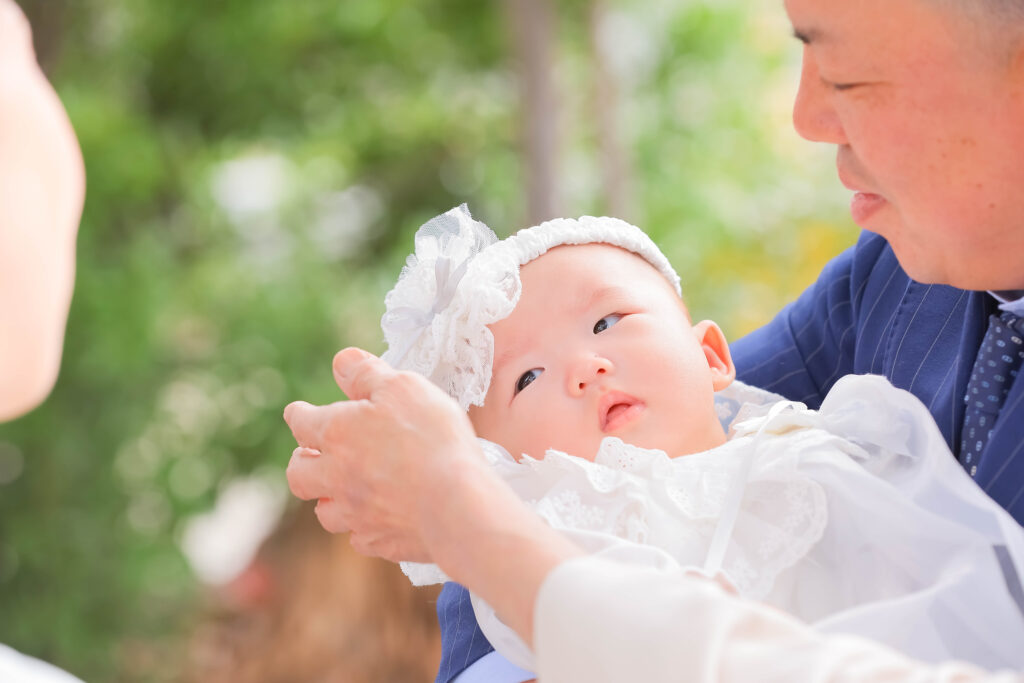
pixel 863 315
pixel 462 641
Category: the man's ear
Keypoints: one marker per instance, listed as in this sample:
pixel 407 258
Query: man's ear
pixel 716 351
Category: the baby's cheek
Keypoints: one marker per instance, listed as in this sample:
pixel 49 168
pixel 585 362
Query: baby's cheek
pixel 516 433
pixel 563 433
pixel 543 430
pixel 486 426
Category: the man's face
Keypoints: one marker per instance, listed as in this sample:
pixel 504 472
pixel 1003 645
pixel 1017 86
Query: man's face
pixel 926 108
pixel 600 345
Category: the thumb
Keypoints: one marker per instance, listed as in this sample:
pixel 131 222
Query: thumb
pixel 359 373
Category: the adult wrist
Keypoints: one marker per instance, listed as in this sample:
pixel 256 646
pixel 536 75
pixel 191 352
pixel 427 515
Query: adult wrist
pixel 457 507
pixel 485 538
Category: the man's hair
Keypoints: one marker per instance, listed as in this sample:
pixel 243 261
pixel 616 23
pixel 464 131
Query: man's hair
pixel 1000 23
pixel 1010 9
pixel 1001 10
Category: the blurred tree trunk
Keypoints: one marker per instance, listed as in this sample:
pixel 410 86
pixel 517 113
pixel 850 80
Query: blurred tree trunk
pixel 532 24
pixel 614 161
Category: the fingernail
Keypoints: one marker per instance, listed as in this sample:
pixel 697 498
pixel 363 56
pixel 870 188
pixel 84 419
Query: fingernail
pixel 291 409
pixel 344 359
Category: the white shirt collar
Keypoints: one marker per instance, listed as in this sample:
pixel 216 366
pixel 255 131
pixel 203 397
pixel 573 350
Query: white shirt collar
pixel 1010 300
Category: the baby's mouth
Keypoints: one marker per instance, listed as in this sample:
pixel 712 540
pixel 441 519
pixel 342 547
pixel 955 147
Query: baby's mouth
pixel 617 409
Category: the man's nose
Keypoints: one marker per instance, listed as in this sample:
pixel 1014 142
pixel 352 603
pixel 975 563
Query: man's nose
pixel 814 114
pixel 584 371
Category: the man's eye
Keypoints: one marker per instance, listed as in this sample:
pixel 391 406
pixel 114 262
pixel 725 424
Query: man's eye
pixel 527 378
pixel 606 322
pixel 840 87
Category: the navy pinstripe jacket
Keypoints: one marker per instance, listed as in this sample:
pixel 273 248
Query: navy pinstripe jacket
pixel 863 315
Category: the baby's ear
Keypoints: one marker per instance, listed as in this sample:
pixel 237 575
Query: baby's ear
pixel 716 351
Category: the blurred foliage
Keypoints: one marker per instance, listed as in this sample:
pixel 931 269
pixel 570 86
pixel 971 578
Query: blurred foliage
pixel 256 171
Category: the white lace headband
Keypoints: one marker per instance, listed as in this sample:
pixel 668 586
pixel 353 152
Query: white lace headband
pixel 461 278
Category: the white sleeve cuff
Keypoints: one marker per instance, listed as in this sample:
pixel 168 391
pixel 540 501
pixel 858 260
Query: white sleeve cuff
pixel 493 668
pixel 596 620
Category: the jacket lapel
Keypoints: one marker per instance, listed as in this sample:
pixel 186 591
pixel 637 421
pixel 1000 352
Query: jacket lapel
pixel 939 330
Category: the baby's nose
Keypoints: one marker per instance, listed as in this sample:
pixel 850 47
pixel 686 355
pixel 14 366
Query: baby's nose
pixel 585 370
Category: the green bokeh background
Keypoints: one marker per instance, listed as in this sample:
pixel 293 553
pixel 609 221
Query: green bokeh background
pixel 256 170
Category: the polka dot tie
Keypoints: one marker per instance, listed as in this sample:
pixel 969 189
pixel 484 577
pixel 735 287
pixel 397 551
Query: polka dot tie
pixel 999 360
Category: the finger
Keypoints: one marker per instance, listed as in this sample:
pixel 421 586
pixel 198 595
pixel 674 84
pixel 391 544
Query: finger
pixel 387 548
pixel 330 516
pixel 359 373
pixel 309 423
pixel 305 475
pixel 373 547
pixel 360 544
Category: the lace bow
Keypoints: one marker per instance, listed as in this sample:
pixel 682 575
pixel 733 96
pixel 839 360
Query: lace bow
pixel 415 322
pixel 436 317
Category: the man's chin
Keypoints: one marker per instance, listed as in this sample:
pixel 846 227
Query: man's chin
pixel 916 264
pixel 930 269
pixel 930 262
pixel 913 260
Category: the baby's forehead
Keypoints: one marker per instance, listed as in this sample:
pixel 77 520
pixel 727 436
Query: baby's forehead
pixel 585 265
pixel 573 280
pixel 570 282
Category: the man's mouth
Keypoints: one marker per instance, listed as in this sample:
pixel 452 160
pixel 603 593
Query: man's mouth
pixel 864 203
pixel 617 409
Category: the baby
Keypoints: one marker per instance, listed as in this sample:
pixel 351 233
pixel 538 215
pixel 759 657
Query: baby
pixel 570 347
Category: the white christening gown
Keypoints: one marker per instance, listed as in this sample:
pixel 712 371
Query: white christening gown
pixel 856 518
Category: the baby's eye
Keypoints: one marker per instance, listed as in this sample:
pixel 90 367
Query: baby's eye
pixel 606 322
pixel 527 378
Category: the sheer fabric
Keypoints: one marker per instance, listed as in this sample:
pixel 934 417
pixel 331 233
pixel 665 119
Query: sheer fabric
pixel 856 519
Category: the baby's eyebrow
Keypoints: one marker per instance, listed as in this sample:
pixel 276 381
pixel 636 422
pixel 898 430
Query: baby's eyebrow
pixel 603 293
pixel 503 358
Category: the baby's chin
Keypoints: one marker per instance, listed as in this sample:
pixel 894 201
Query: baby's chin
pixel 588 448
pixel 673 448
pixel 587 451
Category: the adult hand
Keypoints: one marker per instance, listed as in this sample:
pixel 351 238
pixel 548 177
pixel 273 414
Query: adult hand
pixel 381 463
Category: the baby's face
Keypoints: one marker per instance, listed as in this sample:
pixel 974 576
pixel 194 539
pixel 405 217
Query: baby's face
pixel 600 345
